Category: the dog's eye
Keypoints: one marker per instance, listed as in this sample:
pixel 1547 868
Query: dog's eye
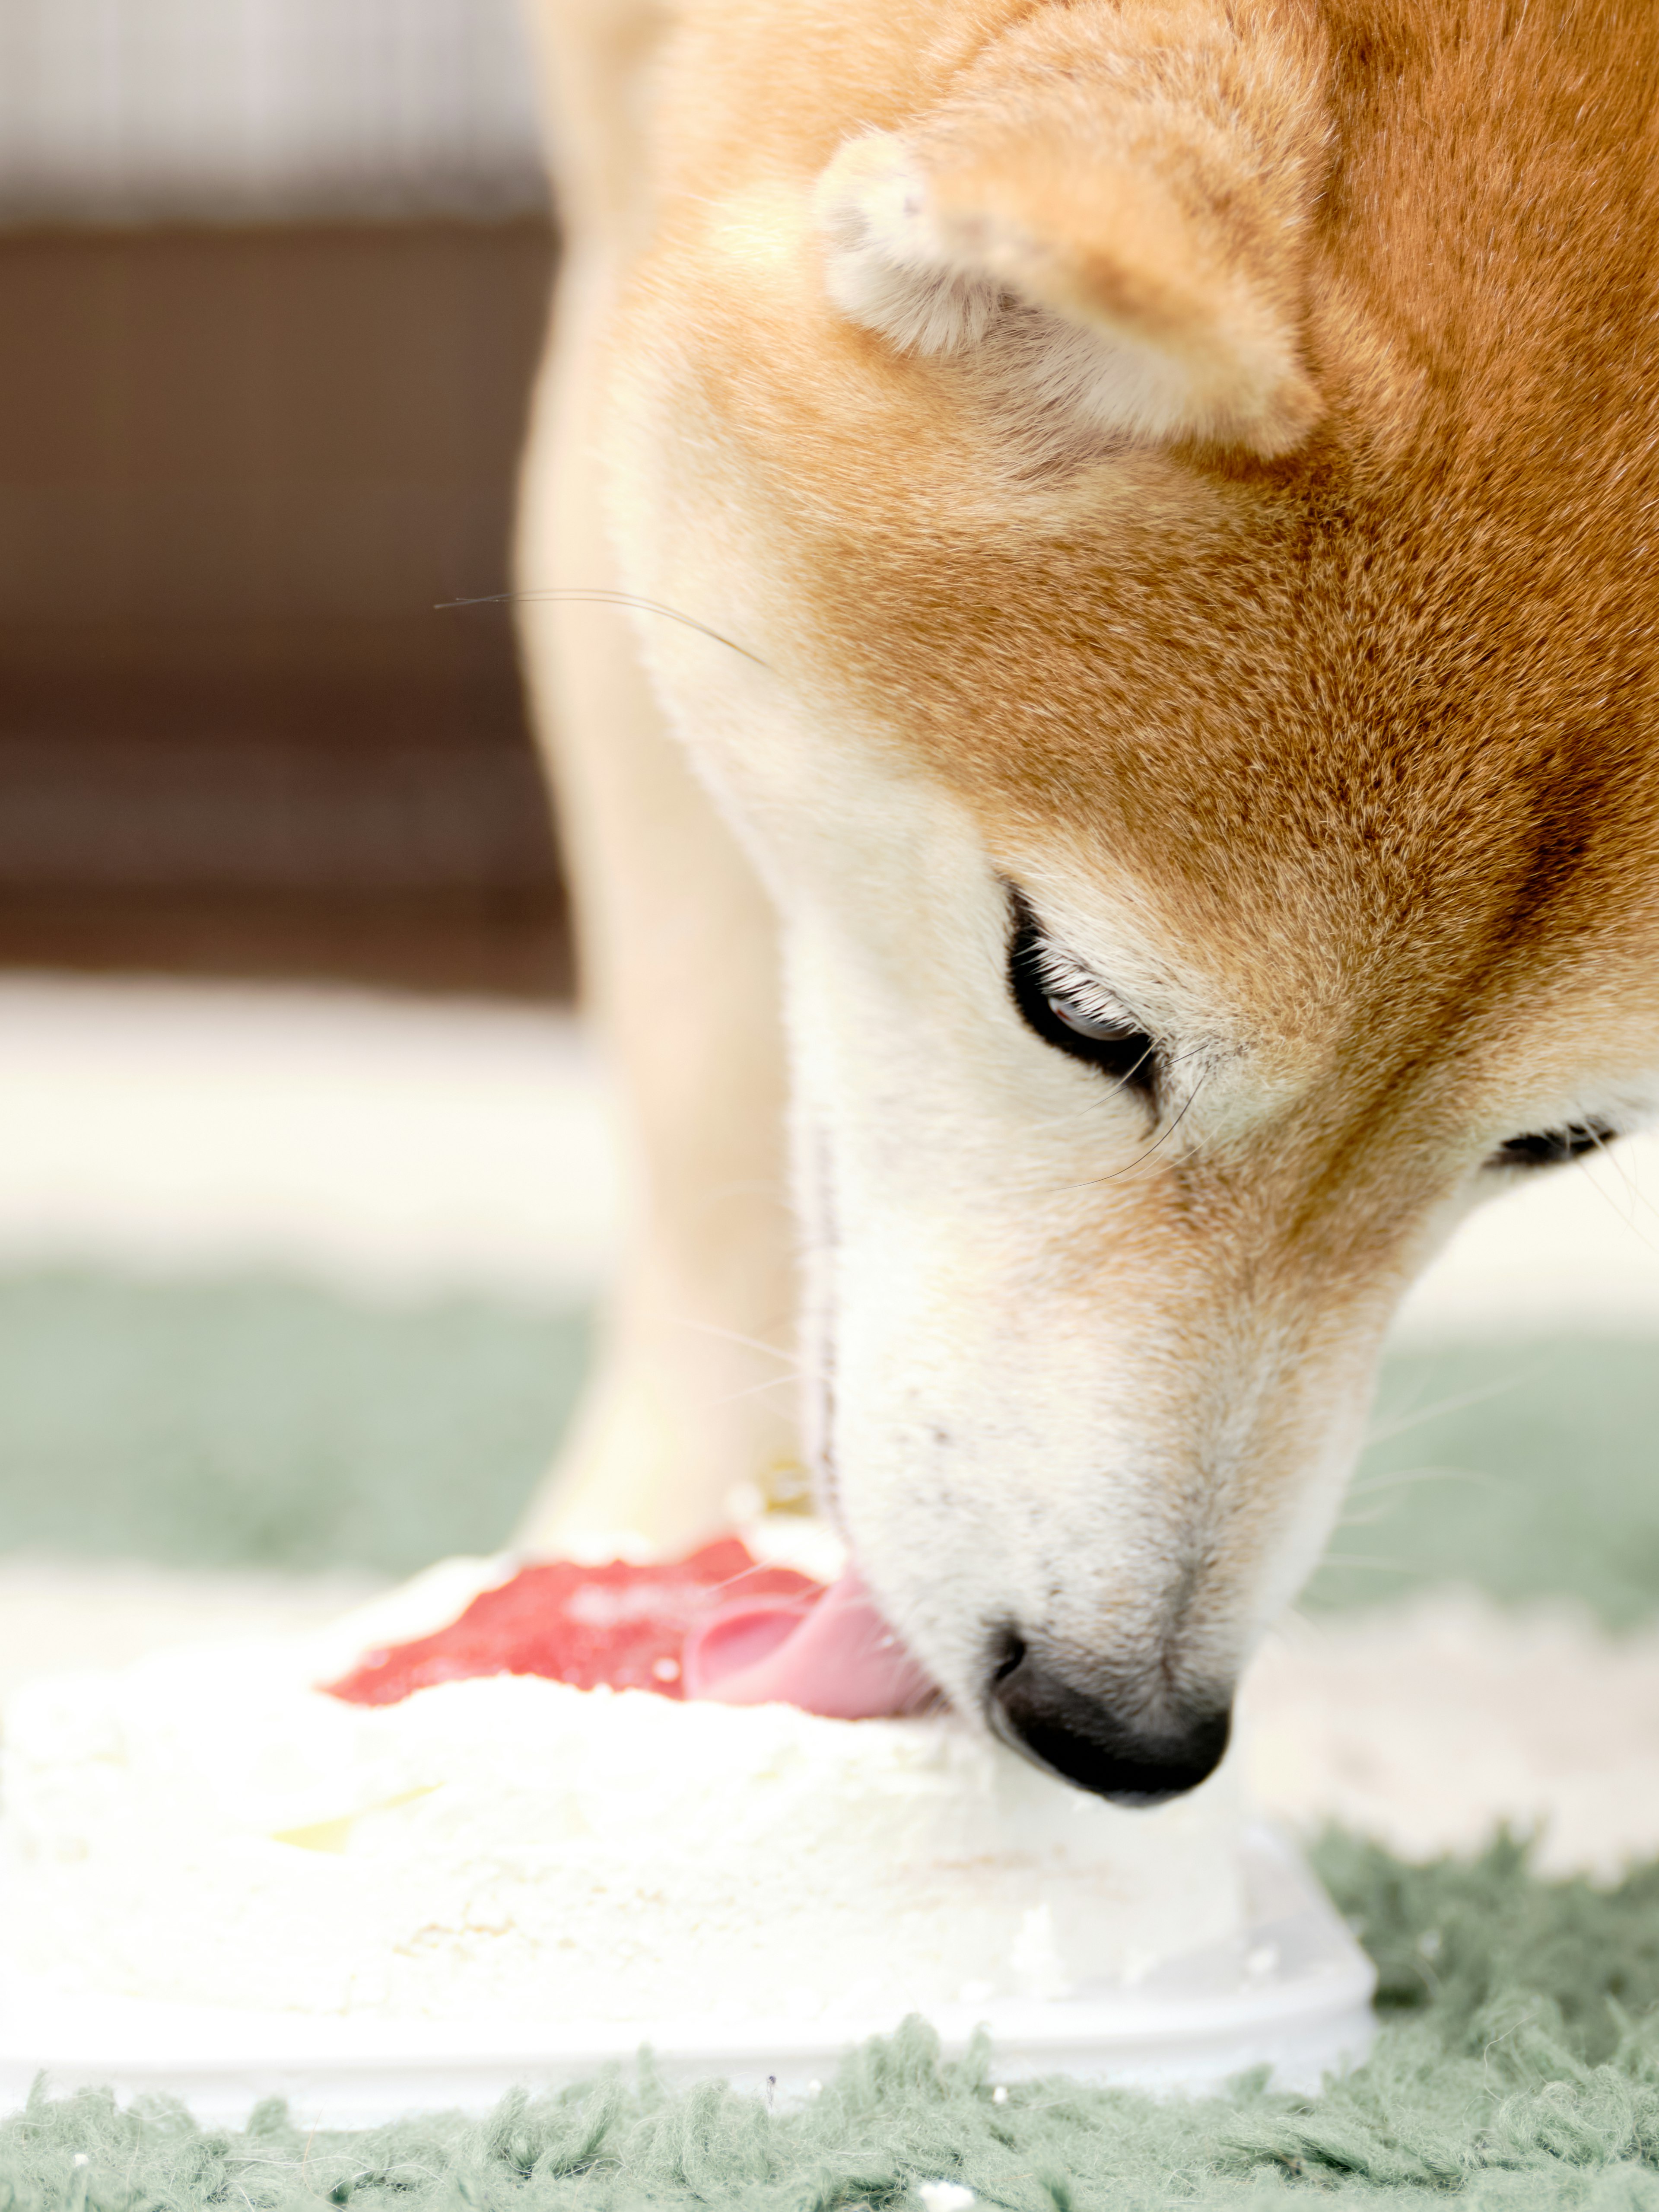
pixel 1069 1010
pixel 1099 1029
pixel 1548 1148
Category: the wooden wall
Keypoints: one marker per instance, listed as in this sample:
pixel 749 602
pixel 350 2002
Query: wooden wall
pixel 238 468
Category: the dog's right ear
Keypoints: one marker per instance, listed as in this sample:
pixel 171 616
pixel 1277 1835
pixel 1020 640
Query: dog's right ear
pixel 1109 218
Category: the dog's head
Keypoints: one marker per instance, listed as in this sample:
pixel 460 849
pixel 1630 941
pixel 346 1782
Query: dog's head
pixel 1182 474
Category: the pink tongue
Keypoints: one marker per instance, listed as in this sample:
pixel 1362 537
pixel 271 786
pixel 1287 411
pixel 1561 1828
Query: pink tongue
pixel 840 1658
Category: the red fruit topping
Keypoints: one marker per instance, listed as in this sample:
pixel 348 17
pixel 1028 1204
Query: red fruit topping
pixel 618 1625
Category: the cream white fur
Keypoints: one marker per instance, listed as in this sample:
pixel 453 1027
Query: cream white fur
pixel 1037 1396
pixel 950 288
pixel 999 1437
pixel 948 1166
pixel 885 264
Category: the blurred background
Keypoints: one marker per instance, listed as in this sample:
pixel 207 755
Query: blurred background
pixel 276 276
pixel 288 1083
pixel 309 1177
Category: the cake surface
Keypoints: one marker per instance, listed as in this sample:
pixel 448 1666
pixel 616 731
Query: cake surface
pixel 213 1827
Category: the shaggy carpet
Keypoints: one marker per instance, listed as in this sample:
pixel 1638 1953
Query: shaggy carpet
pixel 1518 2066
pixel 1518 2063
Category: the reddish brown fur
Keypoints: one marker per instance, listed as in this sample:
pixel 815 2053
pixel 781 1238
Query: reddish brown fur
pixel 1377 715
pixel 1360 702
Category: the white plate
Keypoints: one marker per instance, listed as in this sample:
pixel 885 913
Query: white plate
pixel 1293 1991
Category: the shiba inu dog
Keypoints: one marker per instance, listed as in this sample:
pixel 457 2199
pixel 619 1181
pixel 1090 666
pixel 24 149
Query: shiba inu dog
pixel 1138 691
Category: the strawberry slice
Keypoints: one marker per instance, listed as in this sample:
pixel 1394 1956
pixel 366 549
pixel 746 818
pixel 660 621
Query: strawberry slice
pixel 616 1625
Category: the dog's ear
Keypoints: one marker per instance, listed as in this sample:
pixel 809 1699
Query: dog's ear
pixel 1109 218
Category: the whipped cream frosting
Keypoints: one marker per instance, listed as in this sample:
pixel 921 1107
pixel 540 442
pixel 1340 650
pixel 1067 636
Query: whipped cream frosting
pixel 210 1827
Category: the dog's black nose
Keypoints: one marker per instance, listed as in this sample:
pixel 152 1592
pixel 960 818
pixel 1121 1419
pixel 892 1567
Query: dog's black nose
pixel 1081 1739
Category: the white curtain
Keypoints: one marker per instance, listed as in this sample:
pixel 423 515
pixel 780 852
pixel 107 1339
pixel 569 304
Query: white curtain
pixel 238 110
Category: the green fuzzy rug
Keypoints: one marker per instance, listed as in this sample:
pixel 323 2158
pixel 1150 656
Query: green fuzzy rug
pixel 1518 2065
pixel 278 1424
pixel 256 1422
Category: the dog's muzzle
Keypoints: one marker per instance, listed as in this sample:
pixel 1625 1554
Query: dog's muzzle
pixel 1081 1739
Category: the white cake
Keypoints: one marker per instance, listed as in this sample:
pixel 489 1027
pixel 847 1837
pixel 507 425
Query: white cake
pixel 211 1827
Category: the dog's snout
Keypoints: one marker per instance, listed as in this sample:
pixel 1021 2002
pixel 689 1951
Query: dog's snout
pixel 1086 1740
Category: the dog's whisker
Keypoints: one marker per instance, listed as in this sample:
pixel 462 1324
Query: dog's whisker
pixel 1116 1175
pixel 1419 1415
pixel 573 595
pixel 1379 1567
pixel 1607 1198
pixel 756 1389
pixel 1374 1485
pixel 782 1415
pixel 735 1336
pixel 1620 1166
pixel 1383 1487
pixel 1623 1168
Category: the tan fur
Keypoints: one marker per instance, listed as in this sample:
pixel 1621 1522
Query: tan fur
pixel 1301 671
pixel 1148 178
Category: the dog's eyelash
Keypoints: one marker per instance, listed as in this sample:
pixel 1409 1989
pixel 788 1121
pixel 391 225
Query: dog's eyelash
pixel 1549 1148
pixel 1069 1009
pixel 1063 979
